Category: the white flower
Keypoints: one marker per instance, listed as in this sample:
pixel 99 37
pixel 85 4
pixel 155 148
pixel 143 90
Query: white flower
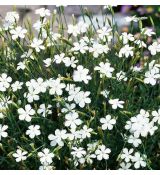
pixel 116 103
pixel 125 166
pixel 45 156
pixel 33 131
pixel 37 44
pixel 58 138
pixel 43 12
pixel 102 152
pixel 20 155
pixel 126 51
pixel 70 61
pixel 126 154
pixel 86 132
pixel 47 62
pixel 12 17
pixel 154 48
pixel 37 86
pixel 140 43
pixel 4 102
pixel 81 74
pixel 3 132
pixel 68 108
pixel 27 113
pixel 139 161
pixel 78 152
pixel 45 166
pixel 56 87
pixel 140 125
pixel 74 135
pixel 82 98
pixel 147 31
pixel 137 68
pixel 105 69
pixel 81 47
pixel 127 37
pixel 32 95
pixel 154 66
pixel 16 86
pixel 107 122
pixel 21 65
pixel 72 120
pixel 73 92
pixel 98 49
pixel 134 140
pixel 121 76
pixel 105 32
pixel 59 58
pixel 131 18
pixel 73 29
pixel 151 77
pixel 4 82
pixel 156 116
pixel 44 110
pixel 18 32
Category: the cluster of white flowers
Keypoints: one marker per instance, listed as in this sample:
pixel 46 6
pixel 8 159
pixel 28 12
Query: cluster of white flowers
pixel 80 97
pixel 137 159
pixel 141 125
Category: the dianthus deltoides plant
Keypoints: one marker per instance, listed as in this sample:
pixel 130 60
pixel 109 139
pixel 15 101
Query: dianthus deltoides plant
pixel 79 95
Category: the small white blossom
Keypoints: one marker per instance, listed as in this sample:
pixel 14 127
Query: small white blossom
pixel 72 120
pixel 44 110
pixel 121 76
pixel 107 122
pixel 156 116
pixel 126 51
pixel 3 132
pixel 4 82
pixel 102 152
pixel 126 154
pixel 126 37
pixel 78 152
pixel 33 131
pixel 16 86
pixel 18 32
pixel 43 12
pixel 81 74
pixel 70 62
pixel 58 138
pixel 21 65
pixel 47 62
pixel 134 140
pixel 59 58
pixel 56 87
pixel 20 155
pixel 116 103
pixel 37 44
pixel 27 113
pixel 105 69
pixel 147 31
pixel 154 48
pixel 138 161
pixel 46 156
pixel 82 98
